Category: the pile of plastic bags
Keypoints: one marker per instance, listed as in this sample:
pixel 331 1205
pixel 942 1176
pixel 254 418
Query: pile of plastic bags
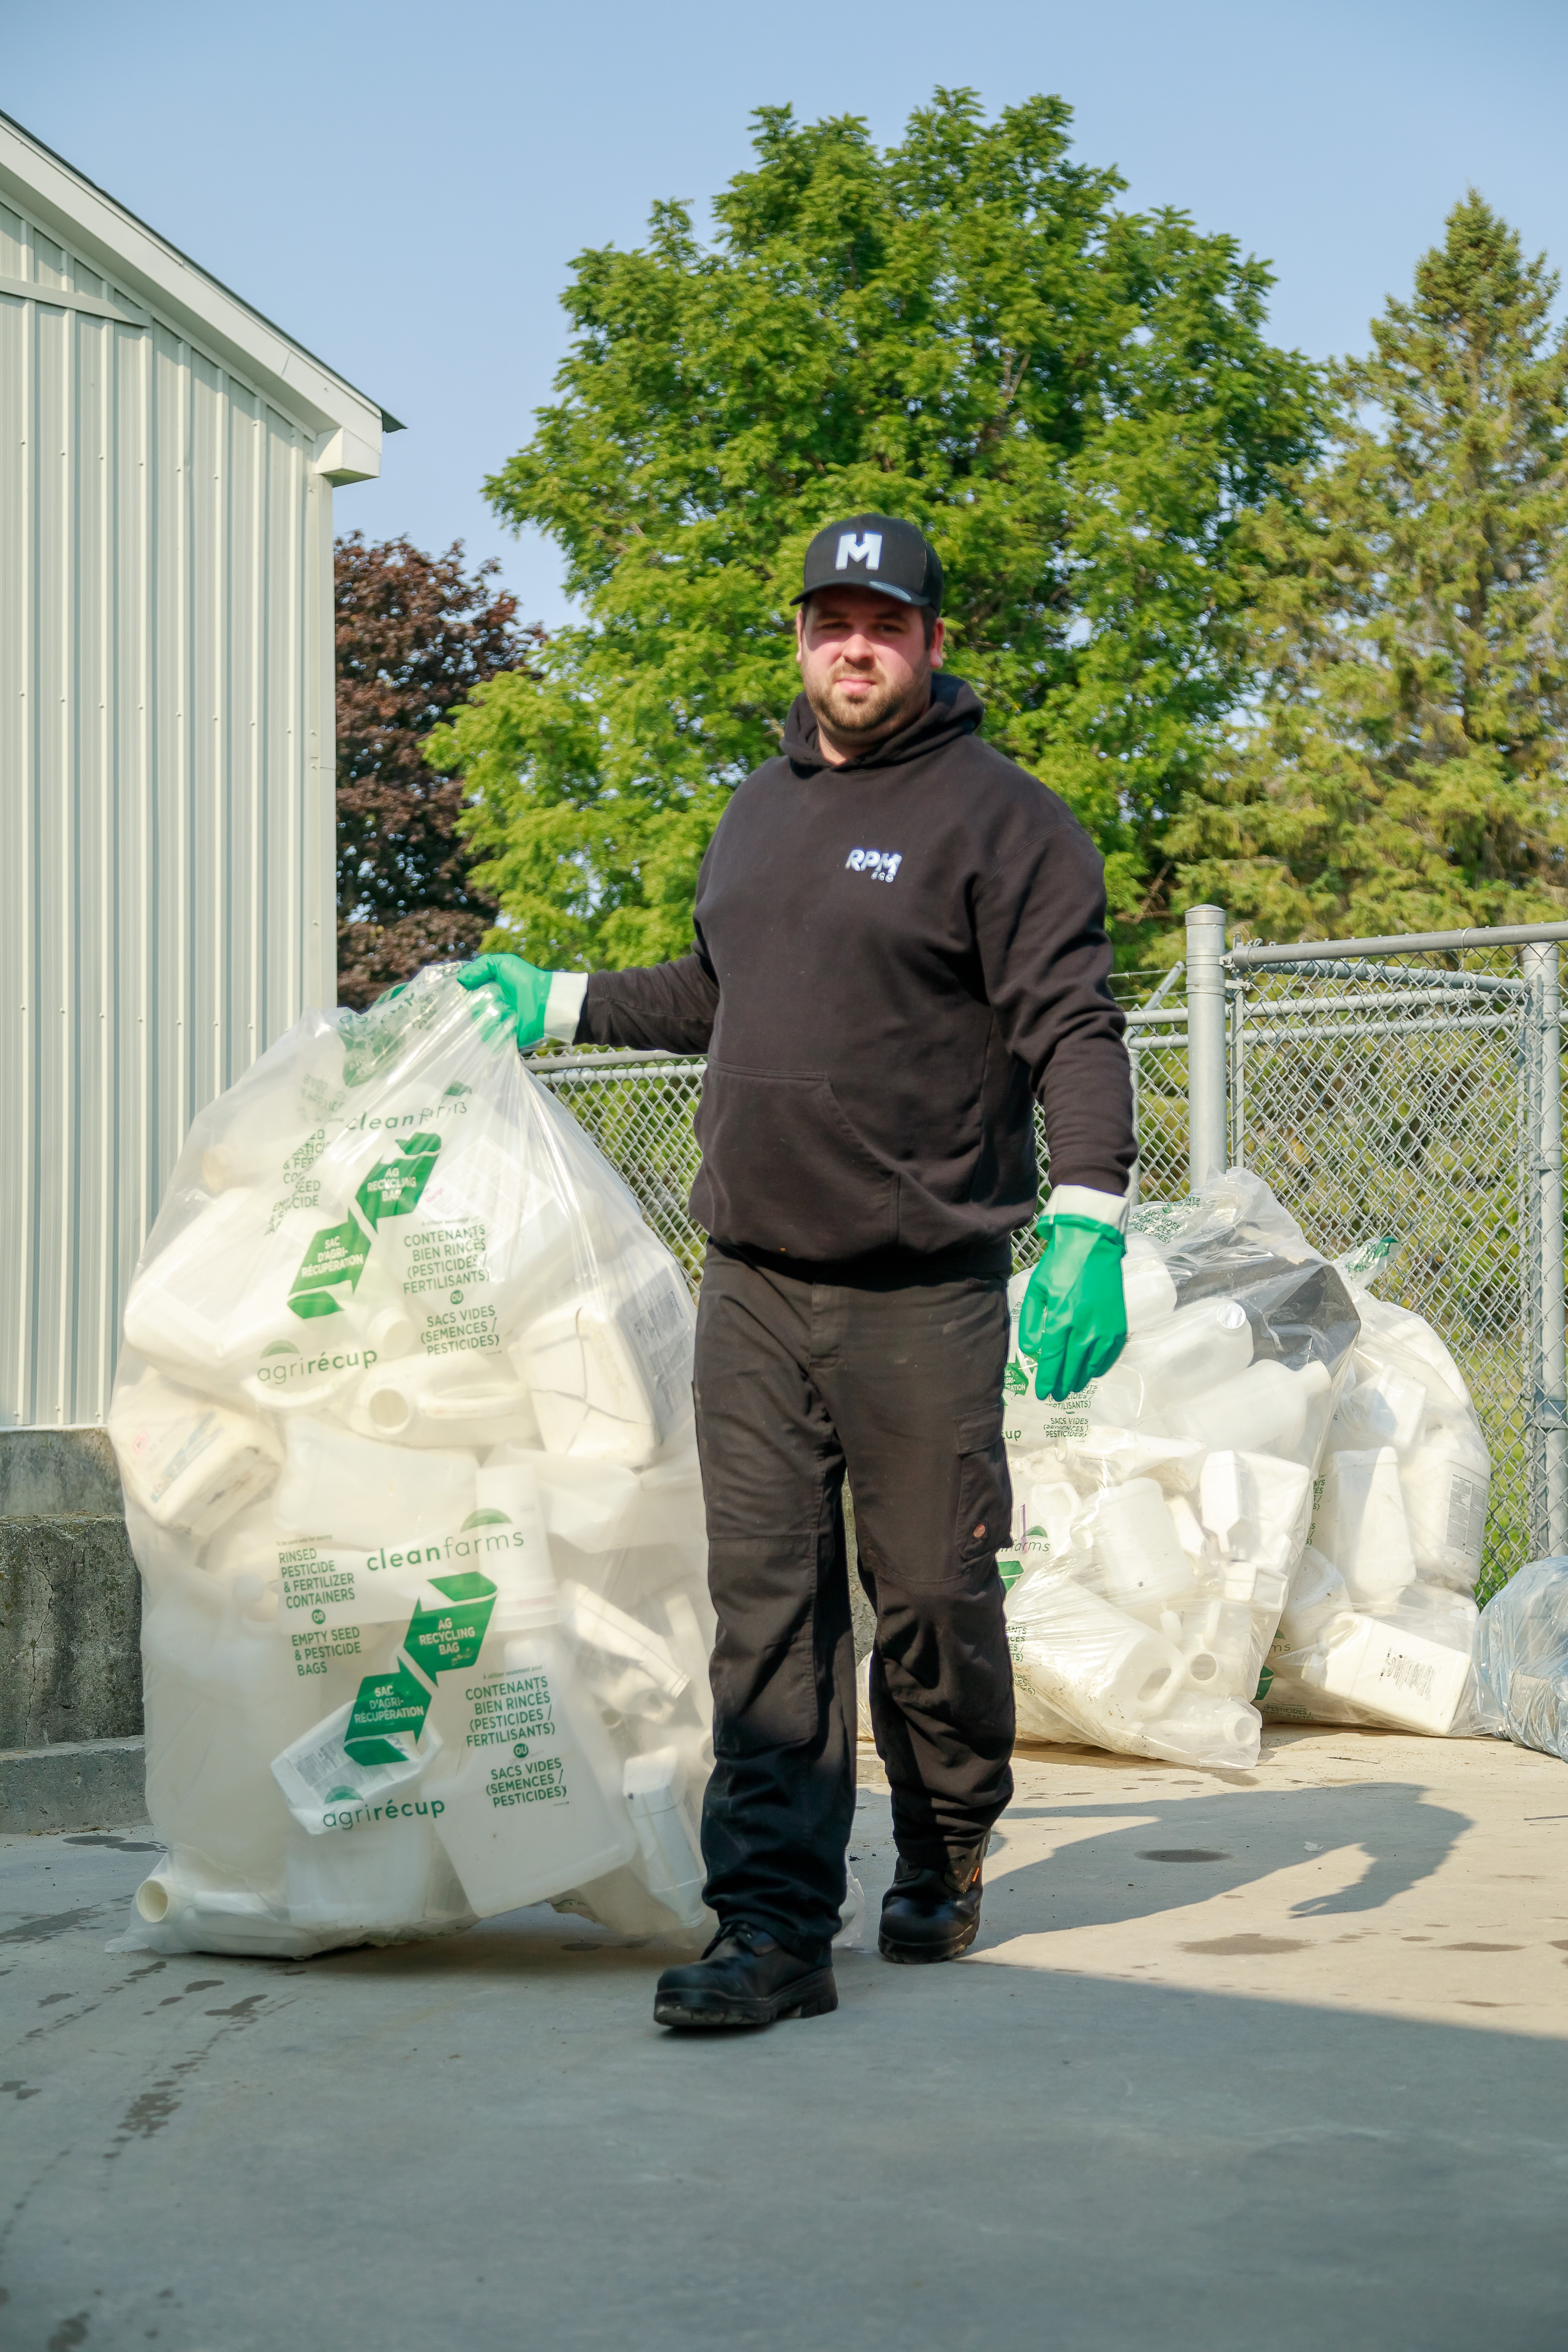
pixel 1177 1555
pixel 403 1422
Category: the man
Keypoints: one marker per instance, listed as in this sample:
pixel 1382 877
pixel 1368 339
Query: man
pixel 899 945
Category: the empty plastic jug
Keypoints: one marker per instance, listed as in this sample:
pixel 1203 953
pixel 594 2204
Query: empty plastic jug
pixel 1100 1668
pixel 1385 1407
pixel 655 1789
pixel 1148 1290
pixel 1052 1505
pixel 1198 1347
pixel 1361 1525
pixel 1137 1552
pixel 1261 1411
pixel 536 1804
pixel 1223 1732
pixel 1315 1603
pixel 606 1373
pixel 1400 1676
pixel 458 1400
pixel 216 1295
pixel 1445 1480
pixel 190 1464
pixel 376 1876
pixel 1257 1506
pixel 373 1496
pixel 1218 1639
pixel 331 1792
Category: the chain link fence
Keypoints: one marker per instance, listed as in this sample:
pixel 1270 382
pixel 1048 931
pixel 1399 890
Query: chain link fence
pixel 1401 1094
pixel 1383 1089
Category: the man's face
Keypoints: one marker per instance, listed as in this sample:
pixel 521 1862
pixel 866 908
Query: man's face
pixel 865 664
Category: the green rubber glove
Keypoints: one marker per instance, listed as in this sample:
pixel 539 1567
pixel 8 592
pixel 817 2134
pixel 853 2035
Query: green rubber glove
pixel 519 994
pixel 1073 1321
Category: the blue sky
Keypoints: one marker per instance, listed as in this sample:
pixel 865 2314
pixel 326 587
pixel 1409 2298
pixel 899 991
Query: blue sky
pixel 403 188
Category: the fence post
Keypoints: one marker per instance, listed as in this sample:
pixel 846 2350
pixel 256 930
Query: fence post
pixel 1543 1148
pixel 1208 1059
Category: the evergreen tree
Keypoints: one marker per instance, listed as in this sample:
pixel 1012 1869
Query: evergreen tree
pixel 1403 766
pixel 1076 403
pixel 415 633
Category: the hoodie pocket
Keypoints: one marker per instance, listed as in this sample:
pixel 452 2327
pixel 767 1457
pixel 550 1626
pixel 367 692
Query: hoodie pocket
pixel 783 1169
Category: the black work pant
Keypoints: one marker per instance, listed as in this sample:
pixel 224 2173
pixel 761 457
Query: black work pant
pixel 897 1378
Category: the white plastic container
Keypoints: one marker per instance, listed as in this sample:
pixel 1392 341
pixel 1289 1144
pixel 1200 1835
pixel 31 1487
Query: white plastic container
pixel 189 1463
pixel 1194 1350
pixel 216 1296
pixel 1148 1291
pixel 1397 1674
pixel 1221 1733
pixel 1052 1506
pixel 595 1506
pixel 656 1794
pixel 1261 1411
pixel 330 1793
pixel 1138 1554
pixel 458 1400
pixel 1111 1454
pixel 374 1877
pixel 1360 1526
pixel 606 1373
pixel 1386 1407
pixel 600 1625
pixel 187 1904
pixel 1315 1604
pixel 1217 1642
pixel 375 1495
pixel 1100 1668
pixel 1445 1480
pixel 532 1801
pixel 533 1251
pixel 1257 1506
pixel 221 1697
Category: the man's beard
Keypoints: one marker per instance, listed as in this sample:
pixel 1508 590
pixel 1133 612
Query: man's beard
pixel 869 713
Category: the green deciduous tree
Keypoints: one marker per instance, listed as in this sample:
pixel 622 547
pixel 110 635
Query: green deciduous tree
pixel 1403 768
pixel 1078 404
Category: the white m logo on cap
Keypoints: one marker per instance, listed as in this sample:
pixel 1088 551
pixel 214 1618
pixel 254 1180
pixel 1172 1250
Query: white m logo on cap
pixel 867 551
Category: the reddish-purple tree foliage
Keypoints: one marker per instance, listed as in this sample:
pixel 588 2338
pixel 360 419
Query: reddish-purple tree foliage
pixel 416 634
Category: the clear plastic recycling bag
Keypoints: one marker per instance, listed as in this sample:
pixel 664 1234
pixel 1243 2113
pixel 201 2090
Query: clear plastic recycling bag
pixel 1276 1495
pixel 1521 1659
pixel 403 1422
pixel 1381 1622
pixel 1160 1514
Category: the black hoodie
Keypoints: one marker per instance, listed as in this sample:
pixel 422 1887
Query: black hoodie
pixel 891 957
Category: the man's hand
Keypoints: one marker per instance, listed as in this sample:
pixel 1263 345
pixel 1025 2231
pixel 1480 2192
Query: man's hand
pixel 515 999
pixel 1073 1321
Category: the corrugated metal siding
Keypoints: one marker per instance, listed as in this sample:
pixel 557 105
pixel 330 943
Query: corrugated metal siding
pixel 165 783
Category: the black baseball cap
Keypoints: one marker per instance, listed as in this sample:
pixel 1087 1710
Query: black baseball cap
pixel 875 550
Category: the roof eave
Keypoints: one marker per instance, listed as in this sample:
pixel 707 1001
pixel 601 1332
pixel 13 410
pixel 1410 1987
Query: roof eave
pixel 186 297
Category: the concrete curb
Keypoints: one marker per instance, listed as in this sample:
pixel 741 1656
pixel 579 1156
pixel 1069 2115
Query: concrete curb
pixel 79 1784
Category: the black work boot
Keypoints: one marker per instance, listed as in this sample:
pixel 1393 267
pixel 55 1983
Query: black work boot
pixel 745 1977
pixel 932 1914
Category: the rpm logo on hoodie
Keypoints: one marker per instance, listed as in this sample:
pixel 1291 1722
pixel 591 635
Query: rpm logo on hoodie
pixel 881 865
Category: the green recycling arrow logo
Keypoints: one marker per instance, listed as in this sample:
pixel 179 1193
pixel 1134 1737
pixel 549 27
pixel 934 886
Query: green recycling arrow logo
pixel 389 1709
pixel 330 1268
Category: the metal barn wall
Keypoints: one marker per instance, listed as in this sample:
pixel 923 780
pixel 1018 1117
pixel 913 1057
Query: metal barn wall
pixel 166 895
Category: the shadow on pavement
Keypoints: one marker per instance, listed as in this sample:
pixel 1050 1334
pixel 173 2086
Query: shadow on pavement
pixel 1181 1850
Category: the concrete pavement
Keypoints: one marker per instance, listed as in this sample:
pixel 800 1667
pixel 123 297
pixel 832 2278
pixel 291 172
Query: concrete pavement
pixel 1273 2057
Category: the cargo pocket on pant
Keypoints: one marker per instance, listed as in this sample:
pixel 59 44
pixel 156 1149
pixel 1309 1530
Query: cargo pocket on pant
pixel 985 1489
